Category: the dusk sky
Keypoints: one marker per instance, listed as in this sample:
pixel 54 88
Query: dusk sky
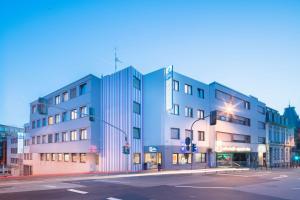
pixel 250 46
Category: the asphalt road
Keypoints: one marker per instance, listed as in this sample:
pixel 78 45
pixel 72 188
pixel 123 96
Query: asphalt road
pixel 257 185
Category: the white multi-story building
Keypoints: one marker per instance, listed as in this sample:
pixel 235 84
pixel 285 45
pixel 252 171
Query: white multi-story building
pixel 129 122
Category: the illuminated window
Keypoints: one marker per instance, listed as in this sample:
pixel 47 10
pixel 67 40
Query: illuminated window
pixel 188 112
pixel 74 157
pixel 42 156
pixel 57 100
pixel 57 119
pixel 64 136
pixel 175 158
pixel 175 109
pixel 60 157
pixel 188 89
pixel 82 157
pixel 175 85
pixel 83 111
pixel 200 114
pixel 66 157
pixel 136 158
pixel 73 135
pixel 65 96
pixel 74 114
pixel 184 158
pixel 83 134
pixel 53 157
pixel 50 120
pixel 200 157
pixel 48 156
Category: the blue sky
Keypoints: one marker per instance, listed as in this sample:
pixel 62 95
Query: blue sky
pixel 251 46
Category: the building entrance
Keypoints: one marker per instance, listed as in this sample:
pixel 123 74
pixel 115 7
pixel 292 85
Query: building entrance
pixel 152 160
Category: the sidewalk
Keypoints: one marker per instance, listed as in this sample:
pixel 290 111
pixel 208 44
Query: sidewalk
pixel 77 177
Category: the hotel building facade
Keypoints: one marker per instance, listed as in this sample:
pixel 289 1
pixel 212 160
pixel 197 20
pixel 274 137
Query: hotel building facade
pixel 128 121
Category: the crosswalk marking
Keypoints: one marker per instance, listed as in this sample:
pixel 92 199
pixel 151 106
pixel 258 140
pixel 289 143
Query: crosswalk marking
pixel 279 177
pixel 77 191
pixel 112 198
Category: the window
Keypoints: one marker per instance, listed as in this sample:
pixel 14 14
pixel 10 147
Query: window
pixel 74 157
pixel 73 93
pixel 200 93
pixel 261 140
pixel 232 137
pixel 136 83
pixel 83 111
pixel 33 124
pixel 64 116
pixel 188 112
pixel 184 158
pixel 175 158
pixel 73 135
pixel 57 118
pixel 56 137
pixel 33 108
pixel 200 114
pixel 247 105
pixel 136 107
pixel 57 100
pixel 74 114
pixel 82 157
pixel 53 157
pixel 136 158
pixel 83 134
pixel 64 137
pixel 50 138
pixel 189 133
pixel 233 118
pixel 201 136
pixel 44 122
pixel 50 120
pixel 60 157
pixel 175 109
pixel 44 138
pixel 65 97
pixel 38 123
pixel 48 156
pixel 38 139
pixel 175 133
pixel 176 85
pixel 188 89
pixel 136 133
pixel 33 140
pixel 261 125
pixel 43 156
pixel 200 157
pixel 66 157
pixel 82 89
pixel 261 110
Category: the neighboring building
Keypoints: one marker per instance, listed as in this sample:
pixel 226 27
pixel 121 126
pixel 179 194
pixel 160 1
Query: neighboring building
pixel 280 139
pixel 11 149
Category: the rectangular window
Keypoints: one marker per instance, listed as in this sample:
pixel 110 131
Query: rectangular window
pixel 38 123
pixel 74 157
pixel 74 114
pixel 82 89
pixel 261 140
pixel 175 158
pixel 136 133
pixel 33 124
pixel 83 134
pixel 64 137
pixel 65 96
pixel 136 83
pixel 50 120
pixel 66 157
pixel 200 157
pixel 60 157
pixel 136 107
pixel 53 157
pixel 57 118
pixel 44 138
pixel 38 139
pixel 200 93
pixel 200 114
pixel 73 93
pixel 43 156
pixel 175 109
pixel 188 89
pixel 184 158
pixel 64 116
pixel 73 135
pixel 261 125
pixel 175 85
pixel 175 133
pixel 57 99
pixel 189 133
pixel 201 136
pixel 188 112
pixel 56 137
pixel 83 111
pixel 48 156
pixel 261 110
pixel 33 108
pixel 50 138
pixel 82 157
pixel 136 158
pixel 233 118
pixel 33 140
pixel 247 105
pixel 44 122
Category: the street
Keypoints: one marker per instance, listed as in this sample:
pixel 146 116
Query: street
pixel 261 184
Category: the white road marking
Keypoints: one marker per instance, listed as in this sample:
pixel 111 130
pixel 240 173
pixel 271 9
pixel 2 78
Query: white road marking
pixel 239 175
pixel 112 198
pixel 196 187
pixel 50 186
pixel 279 177
pixel 77 191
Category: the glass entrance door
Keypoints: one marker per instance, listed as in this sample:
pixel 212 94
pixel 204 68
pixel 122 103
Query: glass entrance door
pixel 152 160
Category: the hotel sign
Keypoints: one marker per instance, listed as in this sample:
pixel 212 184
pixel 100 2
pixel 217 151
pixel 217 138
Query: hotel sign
pixel 169 87
pixel 232 149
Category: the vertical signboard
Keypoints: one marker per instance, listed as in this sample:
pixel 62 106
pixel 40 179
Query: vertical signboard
pixel 169 87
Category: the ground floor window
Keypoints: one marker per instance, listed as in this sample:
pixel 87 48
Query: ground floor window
pixel 137 158
pixel 200 157
pixel 152 160
pixel 60 157
pixel 175 158
pixel 179 158
pixel 53 157
pixel 82 157
pixel 74 157
pixel 66 157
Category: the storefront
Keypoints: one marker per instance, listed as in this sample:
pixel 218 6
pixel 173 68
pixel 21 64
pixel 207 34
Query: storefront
pixel 233 157
pixel 152 158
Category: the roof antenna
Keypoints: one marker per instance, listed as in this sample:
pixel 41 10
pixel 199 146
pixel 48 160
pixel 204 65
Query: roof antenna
pixel 116 60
